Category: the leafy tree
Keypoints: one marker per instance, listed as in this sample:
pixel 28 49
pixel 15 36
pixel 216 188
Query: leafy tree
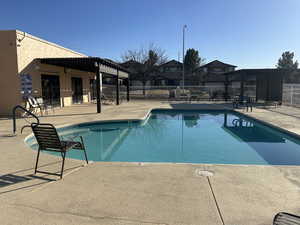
pixel 192 60
pixel 146 60
pixel 286 61
pixel 152 59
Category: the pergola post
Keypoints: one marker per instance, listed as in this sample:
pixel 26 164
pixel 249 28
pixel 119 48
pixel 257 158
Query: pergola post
pixel 128 90
pixel 256 89
pixel 226 88
pixel 268 88
pixel 242 88
pixel 118 89
pixel 98 91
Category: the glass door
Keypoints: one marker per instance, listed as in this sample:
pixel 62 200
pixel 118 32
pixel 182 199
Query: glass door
pixel 77 93
pixel 93 89
pixel 51 89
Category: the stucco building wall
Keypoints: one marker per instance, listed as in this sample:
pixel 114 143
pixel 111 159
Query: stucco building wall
pixel 17 56
pixel 9 84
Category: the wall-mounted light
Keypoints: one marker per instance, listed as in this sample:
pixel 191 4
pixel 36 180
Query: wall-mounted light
pixel 66 70
pixel 37 67
pixel 19 40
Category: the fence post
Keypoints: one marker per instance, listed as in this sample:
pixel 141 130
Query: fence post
pixel 292 89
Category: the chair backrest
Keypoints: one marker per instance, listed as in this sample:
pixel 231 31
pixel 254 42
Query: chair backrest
pixel 286 219
pixel 46 136
pixel 40 100
pixel 32 101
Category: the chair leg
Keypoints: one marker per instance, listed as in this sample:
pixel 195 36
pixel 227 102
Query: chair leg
pixel 41 111
pixel 63 164
pixel 37 161
pixel 85 155
pixel 84 150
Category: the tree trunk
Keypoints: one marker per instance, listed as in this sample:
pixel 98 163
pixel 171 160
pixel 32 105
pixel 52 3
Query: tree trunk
pixel 144 88
pixel 144 84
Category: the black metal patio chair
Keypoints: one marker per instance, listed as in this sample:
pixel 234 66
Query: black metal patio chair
pixel 283 218
pixel 34 106
pixel 48 140
pixel 246 102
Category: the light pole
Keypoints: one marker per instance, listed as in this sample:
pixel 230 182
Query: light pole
pixel 183 33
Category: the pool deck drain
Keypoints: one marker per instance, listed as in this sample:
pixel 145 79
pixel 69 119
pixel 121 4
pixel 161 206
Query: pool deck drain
pixel 203 173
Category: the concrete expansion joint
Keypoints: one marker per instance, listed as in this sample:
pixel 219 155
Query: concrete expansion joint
pixel 88 216
pixel 215 199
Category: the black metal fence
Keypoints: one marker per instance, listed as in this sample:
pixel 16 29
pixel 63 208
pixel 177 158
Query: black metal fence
pixel 201 92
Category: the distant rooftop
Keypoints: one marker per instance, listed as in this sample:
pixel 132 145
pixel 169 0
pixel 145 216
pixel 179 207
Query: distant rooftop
pixel 217 62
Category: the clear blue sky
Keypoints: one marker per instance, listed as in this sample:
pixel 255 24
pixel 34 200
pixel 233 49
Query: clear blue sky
pixel 249 34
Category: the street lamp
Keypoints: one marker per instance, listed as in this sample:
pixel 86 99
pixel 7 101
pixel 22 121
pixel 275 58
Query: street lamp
pixel 183 32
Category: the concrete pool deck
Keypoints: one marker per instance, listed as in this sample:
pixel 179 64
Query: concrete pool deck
pixel 142 193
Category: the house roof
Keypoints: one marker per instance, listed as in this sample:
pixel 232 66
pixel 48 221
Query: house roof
pixel 129 63
pixel 132 65
pixel 171 62
pixel 217 62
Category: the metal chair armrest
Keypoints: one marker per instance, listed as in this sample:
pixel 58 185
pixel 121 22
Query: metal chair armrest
pixel 76 137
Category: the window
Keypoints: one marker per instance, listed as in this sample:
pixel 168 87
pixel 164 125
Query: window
pixel 217 70
pixel 173 69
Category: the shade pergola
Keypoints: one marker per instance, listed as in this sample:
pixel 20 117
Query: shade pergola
pixel 96 65
pixel 268 82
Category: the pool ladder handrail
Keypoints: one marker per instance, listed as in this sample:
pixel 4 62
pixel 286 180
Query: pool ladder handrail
pixel 14 117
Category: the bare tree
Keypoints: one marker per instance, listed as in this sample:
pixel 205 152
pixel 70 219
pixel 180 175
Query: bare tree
pixel 147 60
pixel 142 55
pixel 135 55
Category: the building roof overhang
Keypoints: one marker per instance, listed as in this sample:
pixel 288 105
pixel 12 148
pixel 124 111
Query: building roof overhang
pixel 89 64
pixel 245 74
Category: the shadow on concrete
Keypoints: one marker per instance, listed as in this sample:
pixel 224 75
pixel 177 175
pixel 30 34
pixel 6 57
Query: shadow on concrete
pixel 19 180
pixel 9 179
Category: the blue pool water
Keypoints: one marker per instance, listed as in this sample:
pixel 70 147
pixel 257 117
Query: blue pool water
pixel 219 137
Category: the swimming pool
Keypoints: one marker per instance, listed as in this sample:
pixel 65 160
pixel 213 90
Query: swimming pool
pixel 181 136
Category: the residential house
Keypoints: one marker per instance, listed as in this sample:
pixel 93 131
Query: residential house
pixel 212 74
pixel 170 74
